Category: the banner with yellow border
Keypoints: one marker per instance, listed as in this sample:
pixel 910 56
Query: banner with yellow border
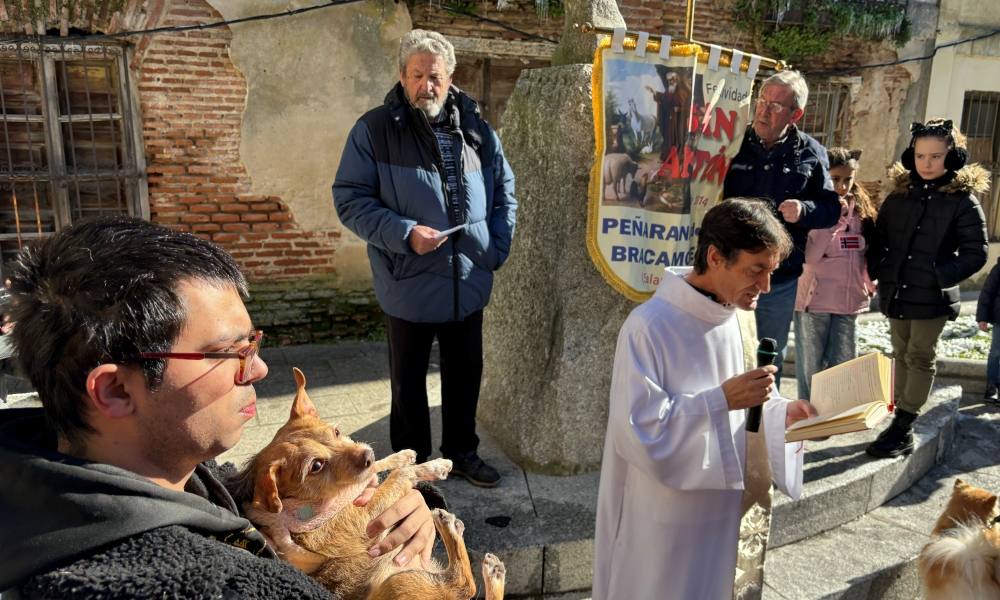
pixel 666 129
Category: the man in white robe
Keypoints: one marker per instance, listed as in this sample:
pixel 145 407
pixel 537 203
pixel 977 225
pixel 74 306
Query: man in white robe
pixel 675 453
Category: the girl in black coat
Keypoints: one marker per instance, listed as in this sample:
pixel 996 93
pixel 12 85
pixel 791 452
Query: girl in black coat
pixel 930 235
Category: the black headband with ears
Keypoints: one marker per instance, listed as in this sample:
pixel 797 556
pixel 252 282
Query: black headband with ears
pixel 953 161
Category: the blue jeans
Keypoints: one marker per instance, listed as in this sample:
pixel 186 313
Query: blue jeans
pixel 993 362
pixel 822 340
pixel 774 317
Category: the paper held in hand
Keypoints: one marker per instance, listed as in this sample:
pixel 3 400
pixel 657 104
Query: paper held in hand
pixel 852 396
pixel 447 232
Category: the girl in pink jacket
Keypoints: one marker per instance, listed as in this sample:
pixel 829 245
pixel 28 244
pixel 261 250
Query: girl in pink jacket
pixel 834 286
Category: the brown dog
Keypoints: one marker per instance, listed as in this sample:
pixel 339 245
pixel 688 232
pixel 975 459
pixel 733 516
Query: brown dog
pixel 303 484
pixel 962 561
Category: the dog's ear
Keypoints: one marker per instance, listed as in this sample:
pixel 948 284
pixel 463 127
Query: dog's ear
pixel 300 378
pixel 265 487
pixel 303 405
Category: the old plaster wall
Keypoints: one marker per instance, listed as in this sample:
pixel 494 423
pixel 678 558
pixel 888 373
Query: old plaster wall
pixel 309 77
pixel 966 68
pixel 889 99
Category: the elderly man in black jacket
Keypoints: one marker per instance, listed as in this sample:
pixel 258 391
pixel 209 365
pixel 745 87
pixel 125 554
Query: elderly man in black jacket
pixel 790 170
pixel 144 357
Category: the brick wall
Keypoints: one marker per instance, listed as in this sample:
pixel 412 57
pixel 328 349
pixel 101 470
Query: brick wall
pixel 192 99
pixel 519 14
pixel 714 23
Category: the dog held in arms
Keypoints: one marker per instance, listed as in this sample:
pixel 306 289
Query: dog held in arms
pixel 962 561
pixel 302 486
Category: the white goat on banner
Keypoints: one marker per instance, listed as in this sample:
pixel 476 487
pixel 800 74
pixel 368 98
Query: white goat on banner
pixel 642 127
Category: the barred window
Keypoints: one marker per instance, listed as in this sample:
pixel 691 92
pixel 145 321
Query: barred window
pixel 70 139
pixel 981 126
pixel 827 113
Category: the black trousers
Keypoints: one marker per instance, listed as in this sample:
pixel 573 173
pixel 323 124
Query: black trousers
pixel 461 347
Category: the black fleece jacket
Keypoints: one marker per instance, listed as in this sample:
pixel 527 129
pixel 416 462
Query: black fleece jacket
pixel 75 529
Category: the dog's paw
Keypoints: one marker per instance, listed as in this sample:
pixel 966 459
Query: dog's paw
pixel 397 460
pixel 493 569
pixel 449 522
pixel 434 470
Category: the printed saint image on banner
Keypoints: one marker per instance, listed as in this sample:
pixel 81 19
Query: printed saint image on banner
pixel 646 111
pixel 666 130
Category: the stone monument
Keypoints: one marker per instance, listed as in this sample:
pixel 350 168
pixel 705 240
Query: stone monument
pixel 552 324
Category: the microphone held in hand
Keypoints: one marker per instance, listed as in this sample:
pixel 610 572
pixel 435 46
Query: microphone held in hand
pixel 767 351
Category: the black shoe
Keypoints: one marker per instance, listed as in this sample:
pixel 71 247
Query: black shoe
pixel 472 468
pixel 895 441
pixel 990 397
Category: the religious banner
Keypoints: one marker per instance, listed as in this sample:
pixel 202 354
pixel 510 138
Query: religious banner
pixel 667 124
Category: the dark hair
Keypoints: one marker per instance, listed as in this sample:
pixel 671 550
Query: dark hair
pixel 842 157
pixel 101 292
pixel 945 130
pixel 740 224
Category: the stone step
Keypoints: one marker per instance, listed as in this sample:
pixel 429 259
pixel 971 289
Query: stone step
pixel 546 539
pixel 874 556
pixel 842 483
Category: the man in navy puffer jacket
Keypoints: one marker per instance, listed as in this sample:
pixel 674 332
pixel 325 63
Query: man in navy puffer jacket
pixel 415 169
pixel 790 171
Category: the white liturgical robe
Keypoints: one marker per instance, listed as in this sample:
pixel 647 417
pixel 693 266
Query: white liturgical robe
pixel 668 508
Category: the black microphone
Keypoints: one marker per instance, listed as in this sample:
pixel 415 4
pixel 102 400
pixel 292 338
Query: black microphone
pixel 767 351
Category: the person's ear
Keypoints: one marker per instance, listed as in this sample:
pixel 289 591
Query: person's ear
pixel 797 114
pixel 108 388
pixel 714 257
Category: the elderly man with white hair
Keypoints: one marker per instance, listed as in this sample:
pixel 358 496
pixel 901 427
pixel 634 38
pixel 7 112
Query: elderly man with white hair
pixel 423 180
pixel 788 168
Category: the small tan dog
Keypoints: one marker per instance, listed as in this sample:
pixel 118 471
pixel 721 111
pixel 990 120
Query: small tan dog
pixel 962 561
pixel 303 484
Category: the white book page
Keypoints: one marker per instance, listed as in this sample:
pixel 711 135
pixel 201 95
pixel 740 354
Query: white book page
pixel 847 385
pixel 854 410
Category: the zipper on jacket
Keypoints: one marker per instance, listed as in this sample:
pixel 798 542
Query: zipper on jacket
pixel 442 171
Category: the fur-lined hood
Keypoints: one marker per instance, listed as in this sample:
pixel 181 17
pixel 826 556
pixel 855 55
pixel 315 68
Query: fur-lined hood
pixel 972 179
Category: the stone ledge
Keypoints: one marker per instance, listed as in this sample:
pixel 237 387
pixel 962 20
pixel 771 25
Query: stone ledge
pixel 843 483
pixel 874 557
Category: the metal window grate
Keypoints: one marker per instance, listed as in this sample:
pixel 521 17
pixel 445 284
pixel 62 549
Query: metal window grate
pixel 70 146
pixel 827 112
pixel 981 126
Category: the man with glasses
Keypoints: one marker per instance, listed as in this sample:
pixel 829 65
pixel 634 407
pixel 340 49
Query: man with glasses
pixel 144 357
pixel 790 170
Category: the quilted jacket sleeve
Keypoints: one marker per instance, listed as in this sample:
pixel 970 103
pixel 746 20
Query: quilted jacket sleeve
pixel 970 229
pixel 356 197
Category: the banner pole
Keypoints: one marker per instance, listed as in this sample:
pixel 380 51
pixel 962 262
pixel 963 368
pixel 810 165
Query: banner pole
pixel 767 63
pixel 689 22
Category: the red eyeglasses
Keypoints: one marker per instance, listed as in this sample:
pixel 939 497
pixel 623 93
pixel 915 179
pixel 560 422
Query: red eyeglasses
pixel 246 356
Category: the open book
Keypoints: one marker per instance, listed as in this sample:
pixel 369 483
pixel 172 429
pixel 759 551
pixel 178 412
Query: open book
pixel 852 396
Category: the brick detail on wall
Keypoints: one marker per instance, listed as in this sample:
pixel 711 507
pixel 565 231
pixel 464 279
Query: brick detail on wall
pixel 192 100
pixel 714 23
pixel 519 14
